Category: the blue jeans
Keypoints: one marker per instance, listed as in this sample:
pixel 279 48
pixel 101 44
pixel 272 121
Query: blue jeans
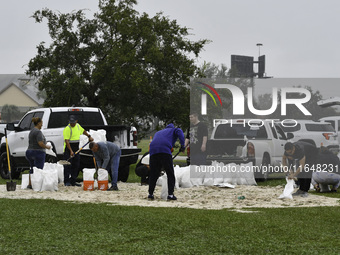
pixel 114 165
pixel 36 158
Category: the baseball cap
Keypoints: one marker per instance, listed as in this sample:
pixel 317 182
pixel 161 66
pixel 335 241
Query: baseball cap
pixel 72 119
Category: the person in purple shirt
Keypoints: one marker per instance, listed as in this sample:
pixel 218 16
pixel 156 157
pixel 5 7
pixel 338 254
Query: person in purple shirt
pixel 107 155
pixel 161 158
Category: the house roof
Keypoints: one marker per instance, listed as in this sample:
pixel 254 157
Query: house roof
pixel 24 82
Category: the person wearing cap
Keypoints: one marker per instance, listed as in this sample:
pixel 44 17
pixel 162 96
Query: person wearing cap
pixel 71 135
pixel 107 155
pixel 161 158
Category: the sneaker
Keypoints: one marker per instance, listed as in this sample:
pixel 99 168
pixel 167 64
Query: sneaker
pixel 304 194
pixel 67 184
pixel 171 197
pixel 298 193
pixel 151 197
pixel 76 184
pixel 113 187
pixel 29 186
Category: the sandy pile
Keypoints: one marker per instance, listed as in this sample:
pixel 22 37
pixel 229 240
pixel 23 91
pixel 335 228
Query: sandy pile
pixel 132 194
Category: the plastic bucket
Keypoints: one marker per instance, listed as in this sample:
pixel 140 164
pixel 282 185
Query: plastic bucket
pixel 103 185
pixel 88 185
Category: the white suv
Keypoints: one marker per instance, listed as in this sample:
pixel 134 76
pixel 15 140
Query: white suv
pixel 319 133
pixel 335 122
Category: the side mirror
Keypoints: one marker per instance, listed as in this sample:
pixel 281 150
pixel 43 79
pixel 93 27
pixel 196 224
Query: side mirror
pixel 290 136
pixel 10 127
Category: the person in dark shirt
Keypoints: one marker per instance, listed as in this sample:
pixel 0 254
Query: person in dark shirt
pixel 303 156
pixel 197 137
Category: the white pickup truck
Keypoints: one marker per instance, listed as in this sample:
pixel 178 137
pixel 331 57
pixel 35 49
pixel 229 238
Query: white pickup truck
pixel 242 141
pixel 54 121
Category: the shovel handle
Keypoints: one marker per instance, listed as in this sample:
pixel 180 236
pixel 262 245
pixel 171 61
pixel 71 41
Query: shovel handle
pixel 79 150
pixel 178 153
pixel 7 150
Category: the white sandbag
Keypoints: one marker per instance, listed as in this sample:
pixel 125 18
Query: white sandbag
pixel 288 190
pixel 185 181
pixel 196 175
pixel 50 151
pixel 60 169
pixel 159 181
pixel 36 179
pixel 225 185
pixel 97 135
pixel 227 175
pixel 88 174
pixel 24 181
pixel 218 174
pixel 178 176
pixel 103 174
pixel 52 167
pixel 164 192
pixel 248 173
pixel 50 180
pixel 234 170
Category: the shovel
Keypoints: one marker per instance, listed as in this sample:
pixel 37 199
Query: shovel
pixel 178 153
pixel 11 186
pixel 67 162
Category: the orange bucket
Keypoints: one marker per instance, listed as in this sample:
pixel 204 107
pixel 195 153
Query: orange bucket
pixel 103 185
pixel 88 185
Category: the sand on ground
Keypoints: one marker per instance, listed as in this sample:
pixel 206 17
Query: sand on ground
pixel 201 197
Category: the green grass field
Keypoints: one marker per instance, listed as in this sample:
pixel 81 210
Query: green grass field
pixel 55 227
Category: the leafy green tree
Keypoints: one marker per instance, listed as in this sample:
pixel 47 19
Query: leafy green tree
pixel 131 65
pixel 10 113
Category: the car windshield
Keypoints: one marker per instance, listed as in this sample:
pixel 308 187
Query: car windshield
pixel 239 131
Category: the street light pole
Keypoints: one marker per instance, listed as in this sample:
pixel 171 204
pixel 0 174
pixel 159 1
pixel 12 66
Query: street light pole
pixel 259 45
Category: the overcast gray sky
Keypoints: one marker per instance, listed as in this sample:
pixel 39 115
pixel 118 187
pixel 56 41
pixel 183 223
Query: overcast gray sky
pixel 300 37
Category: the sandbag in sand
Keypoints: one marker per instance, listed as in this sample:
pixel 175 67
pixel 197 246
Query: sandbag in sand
pixel 103 174
pixel 288 190
pixel 88 174
pixel 36 179
pixel 24 181
pixel 50 180
pixel 164 191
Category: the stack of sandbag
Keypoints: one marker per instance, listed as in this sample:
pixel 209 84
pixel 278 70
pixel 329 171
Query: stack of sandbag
pixel 44 180
pixel 58 167
pixel 218 174
pixel 97 135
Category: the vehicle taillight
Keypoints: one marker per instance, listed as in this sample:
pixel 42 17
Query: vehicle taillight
pixel 327 135
pixel 135 139
pixel 188 151
pixel 250 150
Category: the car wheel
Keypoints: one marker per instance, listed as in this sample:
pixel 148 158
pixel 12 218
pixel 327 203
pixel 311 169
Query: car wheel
pixel 123 173
pixel 263 176
pixel 4 168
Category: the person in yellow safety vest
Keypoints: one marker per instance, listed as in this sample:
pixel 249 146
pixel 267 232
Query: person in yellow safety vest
pixel 72 134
